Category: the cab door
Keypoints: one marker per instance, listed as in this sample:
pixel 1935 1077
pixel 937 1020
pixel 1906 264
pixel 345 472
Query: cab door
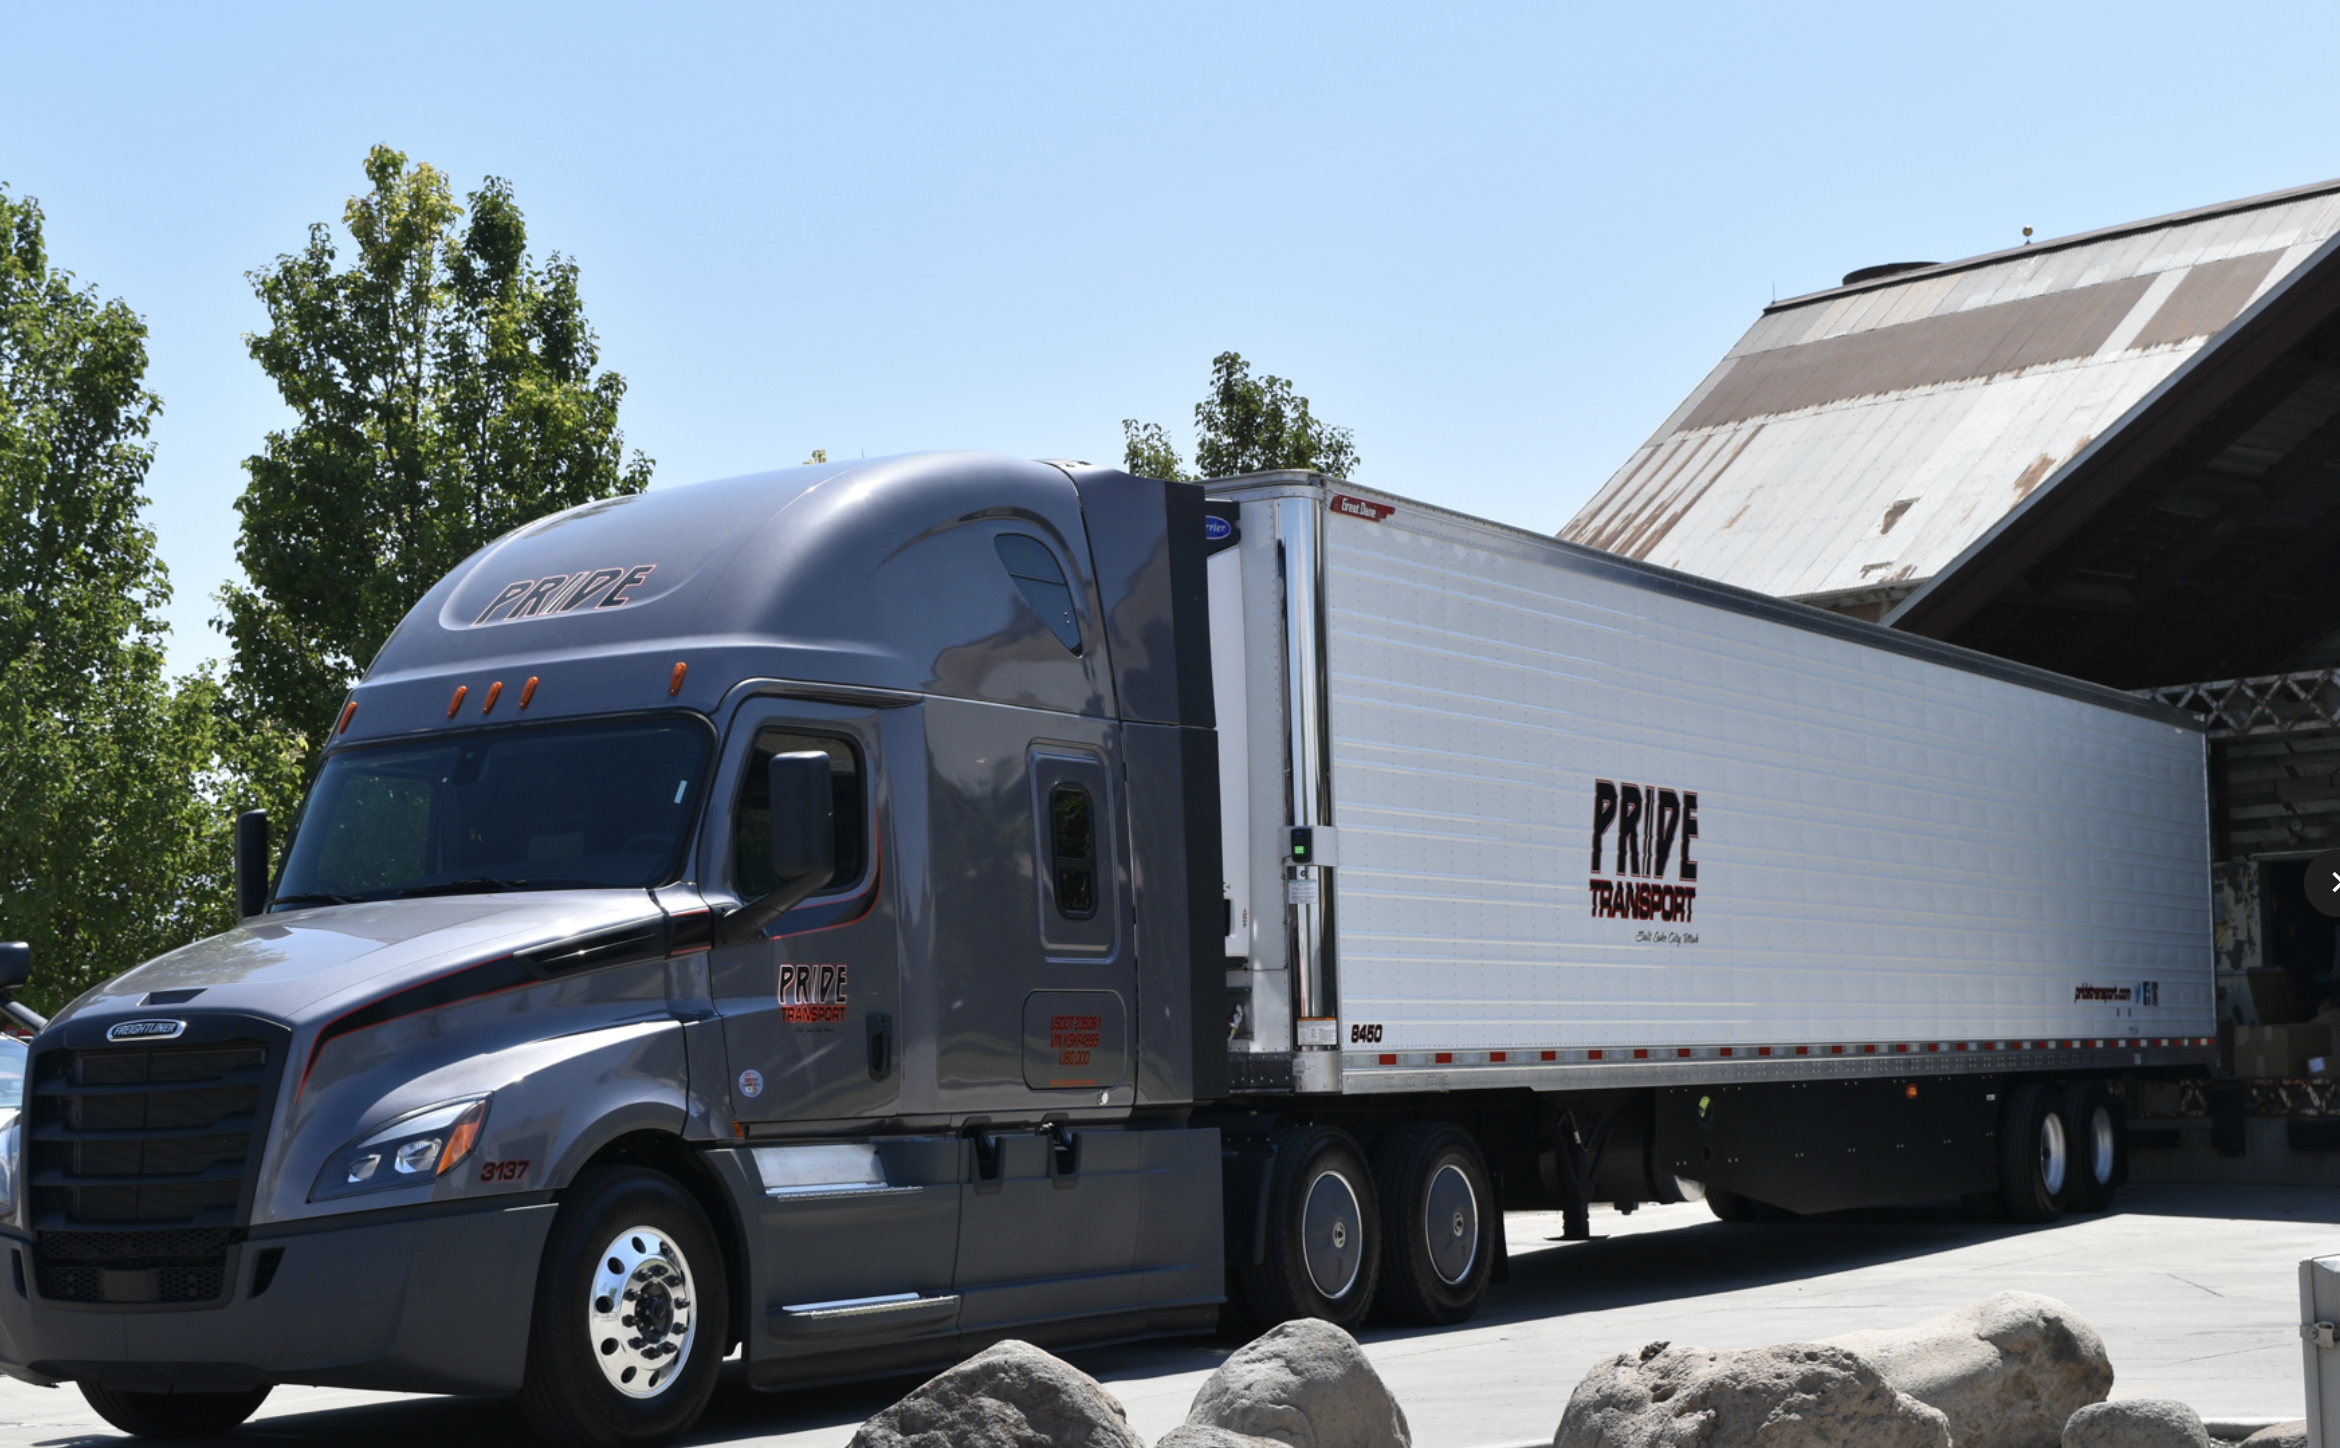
pixel 1036 981
pixel 810 1007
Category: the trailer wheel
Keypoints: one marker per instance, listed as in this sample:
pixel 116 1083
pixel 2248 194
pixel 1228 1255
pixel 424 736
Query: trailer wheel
pixel 2035 1154
pixel 173 1415
pixel 1437 1239
pixel 1323 1251
pixel 631 1314
pixel 2094 1124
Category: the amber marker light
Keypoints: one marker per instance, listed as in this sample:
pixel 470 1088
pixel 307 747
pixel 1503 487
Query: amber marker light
pixel 457 702
pixel 463 1137
pixel 674 685
pixel 495 692
pixel 528 691
pixel 348 712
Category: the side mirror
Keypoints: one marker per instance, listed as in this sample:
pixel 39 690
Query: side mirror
pixel 15 970
pixel 804 840
pixel 251 863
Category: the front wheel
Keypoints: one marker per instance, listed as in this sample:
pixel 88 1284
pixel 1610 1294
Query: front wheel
pixel 631 1315
pixel 1323 1252
pixel 173 1415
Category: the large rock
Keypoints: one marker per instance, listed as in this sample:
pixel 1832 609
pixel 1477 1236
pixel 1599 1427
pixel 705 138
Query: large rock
pixel 2136 1423
pixel 1303 1384
pixel 1011 1395
pixel 2279 1435
pixel 2009 1371
pixel 1800 1395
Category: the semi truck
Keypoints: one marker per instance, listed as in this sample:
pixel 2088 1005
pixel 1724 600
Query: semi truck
pixel 848 915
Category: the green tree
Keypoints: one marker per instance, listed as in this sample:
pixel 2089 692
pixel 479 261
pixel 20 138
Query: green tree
pixel 118 786
pixel 1245 424
pixel 444 392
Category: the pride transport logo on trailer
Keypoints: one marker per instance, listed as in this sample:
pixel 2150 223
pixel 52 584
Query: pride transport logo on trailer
pixel 1654 826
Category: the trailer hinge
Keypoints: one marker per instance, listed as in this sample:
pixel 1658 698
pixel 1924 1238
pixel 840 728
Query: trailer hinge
pixel 2319 1333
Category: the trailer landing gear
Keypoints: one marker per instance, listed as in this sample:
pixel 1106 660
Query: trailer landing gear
pixel 1436 1237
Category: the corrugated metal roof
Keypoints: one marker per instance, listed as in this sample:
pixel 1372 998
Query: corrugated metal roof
pixel 1861 438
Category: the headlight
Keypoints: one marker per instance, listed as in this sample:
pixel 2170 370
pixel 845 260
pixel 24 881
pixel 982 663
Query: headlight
pixel 417 1148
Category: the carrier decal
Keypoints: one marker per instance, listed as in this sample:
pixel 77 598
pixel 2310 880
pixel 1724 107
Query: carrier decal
pixel 2143 993
pixel 812 995
pixel 1654 826
pixel 565 593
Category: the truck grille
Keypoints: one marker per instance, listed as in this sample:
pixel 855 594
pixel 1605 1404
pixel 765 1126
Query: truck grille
pixel 138 1163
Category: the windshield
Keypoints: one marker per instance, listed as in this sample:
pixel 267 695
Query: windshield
pixel 555 807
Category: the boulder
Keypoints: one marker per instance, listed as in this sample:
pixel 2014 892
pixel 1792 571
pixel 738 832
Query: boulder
pixel 2136 1423
pixel 1011 1395
pixel 1799 1395
pixel 1302 1384
pixel 2279 1435
pixel 2008 1371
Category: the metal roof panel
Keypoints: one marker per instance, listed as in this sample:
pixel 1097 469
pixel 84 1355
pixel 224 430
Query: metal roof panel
pixel 1957 388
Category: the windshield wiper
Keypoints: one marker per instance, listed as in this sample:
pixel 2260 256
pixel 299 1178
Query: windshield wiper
pixel 318 899
pixel 469 885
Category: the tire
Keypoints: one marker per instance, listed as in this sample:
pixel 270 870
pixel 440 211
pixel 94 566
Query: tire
pixel 1437 1246
pixel 173 1415
pixel 590 1382
pixel 1731 1207
pixel 2035 1155
pixel 1323 1252
pixel 2093 1120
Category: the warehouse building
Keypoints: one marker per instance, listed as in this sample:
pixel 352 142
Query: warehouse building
pixel 2115 455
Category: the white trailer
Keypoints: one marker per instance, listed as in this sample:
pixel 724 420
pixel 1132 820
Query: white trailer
pixel 1505 812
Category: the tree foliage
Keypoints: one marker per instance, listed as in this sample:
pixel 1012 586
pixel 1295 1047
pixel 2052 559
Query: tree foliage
pixel 444 392
pixel 118 786
pixel 1244 424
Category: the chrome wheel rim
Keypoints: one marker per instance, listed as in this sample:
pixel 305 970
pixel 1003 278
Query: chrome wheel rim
pixel 2054 1154
pixel 1332 1234
pixel 1450 1222
pixel 640 1316
pixel 2100 1146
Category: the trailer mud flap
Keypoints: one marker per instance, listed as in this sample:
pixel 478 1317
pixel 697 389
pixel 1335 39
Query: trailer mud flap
pixel 1245 1168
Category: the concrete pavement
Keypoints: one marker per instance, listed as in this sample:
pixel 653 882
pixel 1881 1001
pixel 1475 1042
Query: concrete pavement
pixel 2193 1288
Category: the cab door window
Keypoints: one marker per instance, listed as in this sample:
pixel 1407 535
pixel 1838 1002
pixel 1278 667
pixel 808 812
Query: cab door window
pixel 751 819
pixel 1075 855
pixel 1072 837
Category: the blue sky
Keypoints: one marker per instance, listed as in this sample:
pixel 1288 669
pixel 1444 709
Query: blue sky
pixel 1501 243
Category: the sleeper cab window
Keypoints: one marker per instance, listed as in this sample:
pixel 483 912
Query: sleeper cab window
pixel 1041 581
pixel 1072 840
pixel 751 822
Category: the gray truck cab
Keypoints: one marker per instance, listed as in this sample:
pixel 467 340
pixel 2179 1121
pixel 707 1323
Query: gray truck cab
pixel 782 911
